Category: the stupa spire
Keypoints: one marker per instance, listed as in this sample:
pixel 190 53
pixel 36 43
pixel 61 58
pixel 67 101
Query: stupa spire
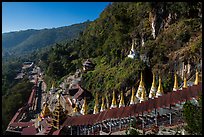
pixel 96 104
pixel 122 102
pixel 140 88
pixel 58 114
pixel 113 104
pixel 185 82
pixel 45 112
pixel 160 88
pixel 75 108
pixel 84 108
pixel 175 83
pixel 143 96
pixel 197 78
pixel 153 89
pixel 103 105
pixel 133 98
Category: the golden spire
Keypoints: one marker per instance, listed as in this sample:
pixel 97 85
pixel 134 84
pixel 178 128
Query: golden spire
pixel 58 114
pixel 46 111
pixel 185 82
pixel 160 88
pixel 153 89
pixel 96 104
pixel 39 117
pixel 197 78
pixel 102 105
pixel 175 83
pixel 52 85
pixel 113 105
pixel 107 102
pixel 143 95
pixel 84 108
pixel 122 103
pixel 140 88
pixel 75 108
pixel 133 98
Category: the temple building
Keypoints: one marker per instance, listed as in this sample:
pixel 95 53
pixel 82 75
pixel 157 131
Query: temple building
pixel 58 115
pixel 55 119
pixel 133 53
pixel 88 65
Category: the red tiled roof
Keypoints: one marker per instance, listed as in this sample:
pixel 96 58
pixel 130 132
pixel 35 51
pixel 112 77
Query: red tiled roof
pixel 149 105
pixel 21 124
pixel 32 95
pixel 57 132
pixel 29 131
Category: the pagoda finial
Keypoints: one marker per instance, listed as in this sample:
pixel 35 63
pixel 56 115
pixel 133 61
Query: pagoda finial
pixel 153 89
pixel 185 82
pixel 122 102
pixel 84 108
pixel 103 105
pixel 133 98
pixel 143 96
pixel 58 114
pixel 140 88
pixel 113 104
pixel 175 83
pixel 160 88
pixel 96 104
pixel 197 78
pixel 45 112
pixel 53 85
pixel 76 108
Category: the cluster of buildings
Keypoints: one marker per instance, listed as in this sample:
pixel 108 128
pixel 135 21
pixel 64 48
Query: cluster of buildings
pixel 66 111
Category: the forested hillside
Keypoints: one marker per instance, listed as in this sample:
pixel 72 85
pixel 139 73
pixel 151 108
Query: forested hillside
pixel 17 43
pixel 166 33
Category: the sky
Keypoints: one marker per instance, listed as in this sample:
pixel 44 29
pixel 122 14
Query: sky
pixel 39 15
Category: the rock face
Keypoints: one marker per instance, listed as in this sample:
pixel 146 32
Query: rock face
pixel 156 21
pixel 160 18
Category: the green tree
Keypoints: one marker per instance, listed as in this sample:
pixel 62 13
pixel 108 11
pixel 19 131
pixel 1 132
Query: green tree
pixel 193 117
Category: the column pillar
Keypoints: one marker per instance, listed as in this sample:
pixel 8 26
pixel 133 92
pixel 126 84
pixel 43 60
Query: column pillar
pixel 88 131
pixel 92 129
pixel 170 119
pixel 110 125
pixel 120 125
pixel 156 117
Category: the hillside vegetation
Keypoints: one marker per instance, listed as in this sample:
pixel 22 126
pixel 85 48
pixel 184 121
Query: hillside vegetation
pixel 21 42
pixel 177 37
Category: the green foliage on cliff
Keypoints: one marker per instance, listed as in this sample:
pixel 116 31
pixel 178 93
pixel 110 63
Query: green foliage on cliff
pixel 193 117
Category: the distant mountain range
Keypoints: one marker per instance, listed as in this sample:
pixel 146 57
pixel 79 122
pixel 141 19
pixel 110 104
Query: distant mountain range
pixel 20 42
